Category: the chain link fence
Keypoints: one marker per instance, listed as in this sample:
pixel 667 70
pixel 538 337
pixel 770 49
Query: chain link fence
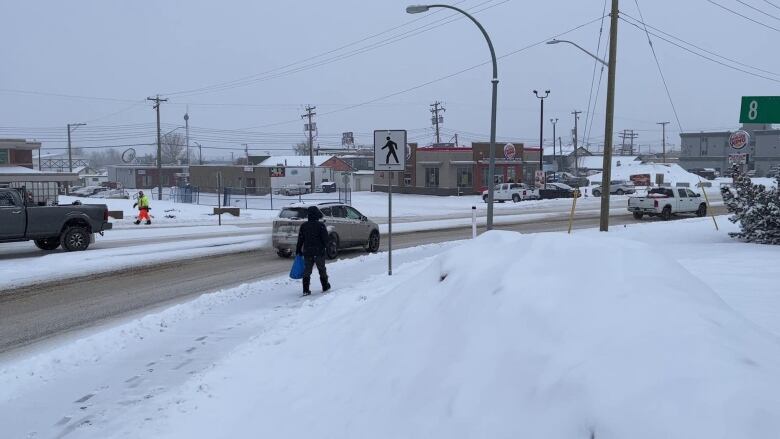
pixel 251 198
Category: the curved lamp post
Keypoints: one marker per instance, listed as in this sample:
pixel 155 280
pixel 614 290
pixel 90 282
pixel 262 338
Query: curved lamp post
pixel 416 9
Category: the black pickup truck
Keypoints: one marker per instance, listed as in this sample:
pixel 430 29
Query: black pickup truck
pixel 73 226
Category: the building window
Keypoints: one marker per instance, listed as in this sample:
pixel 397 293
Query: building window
pixel 511 174
pixel 3 156
pixel 465 177
pixel 431 177
pixel 370 164
pixel 166 180
pixel 147 181
pixel 704 146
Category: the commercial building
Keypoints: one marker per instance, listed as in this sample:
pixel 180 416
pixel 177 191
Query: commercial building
pixel 460 170
pixel 16 170
pixel 18 152
pixel 712 149
pixel 146 176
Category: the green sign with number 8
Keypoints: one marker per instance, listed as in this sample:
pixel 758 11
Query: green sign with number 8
pixel 760 109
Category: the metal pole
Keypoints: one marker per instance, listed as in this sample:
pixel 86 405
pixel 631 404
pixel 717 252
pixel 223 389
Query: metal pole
pixel 541 138
pixel 70 156
pixel 390 226
pixel 219 197
pixel 576 142
pixel 187 127
pixel 608 123
pixel 555 162
pixel 474 222
pixel 157 101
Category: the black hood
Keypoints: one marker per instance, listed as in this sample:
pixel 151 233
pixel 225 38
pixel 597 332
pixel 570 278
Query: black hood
pixel 313 213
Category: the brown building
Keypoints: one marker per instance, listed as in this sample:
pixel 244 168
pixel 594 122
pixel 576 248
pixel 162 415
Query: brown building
pixel 17 152
pixel 460 170
pixel 146 176
pixel 256 179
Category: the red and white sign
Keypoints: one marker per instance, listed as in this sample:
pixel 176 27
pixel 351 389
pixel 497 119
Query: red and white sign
pixel 640 179
pixel 539 178
pixel 739 139
pixel 510 153
pixel 738 159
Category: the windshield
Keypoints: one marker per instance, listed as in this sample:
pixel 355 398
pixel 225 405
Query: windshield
pixel 293 213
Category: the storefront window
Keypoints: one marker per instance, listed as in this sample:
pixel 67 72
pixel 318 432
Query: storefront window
pixel 511 174
pixel 465 177
pixel 431 177
pixel 3 156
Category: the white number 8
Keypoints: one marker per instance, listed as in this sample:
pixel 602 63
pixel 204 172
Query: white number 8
pixel 753 110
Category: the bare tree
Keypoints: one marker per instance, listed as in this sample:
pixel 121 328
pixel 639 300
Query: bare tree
pixel 173 147
pixel 301 148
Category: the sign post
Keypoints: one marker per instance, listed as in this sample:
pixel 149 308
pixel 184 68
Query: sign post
pixel 387 144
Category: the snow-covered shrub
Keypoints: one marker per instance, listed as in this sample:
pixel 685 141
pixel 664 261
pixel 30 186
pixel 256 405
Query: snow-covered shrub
pixel 756 208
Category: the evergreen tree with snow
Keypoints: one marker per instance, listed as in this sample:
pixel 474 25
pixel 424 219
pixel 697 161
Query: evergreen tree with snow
pixel 755 207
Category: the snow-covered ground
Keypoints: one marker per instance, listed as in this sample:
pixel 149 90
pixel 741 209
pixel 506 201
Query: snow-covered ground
pixel 672 331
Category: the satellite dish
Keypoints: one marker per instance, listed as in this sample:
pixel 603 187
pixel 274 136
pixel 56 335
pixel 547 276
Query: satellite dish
pixel 128 156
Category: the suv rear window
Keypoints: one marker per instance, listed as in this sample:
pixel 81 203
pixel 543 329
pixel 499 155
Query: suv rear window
pixel 293 213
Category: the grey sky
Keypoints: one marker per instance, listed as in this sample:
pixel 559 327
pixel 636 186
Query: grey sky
pixel 130 50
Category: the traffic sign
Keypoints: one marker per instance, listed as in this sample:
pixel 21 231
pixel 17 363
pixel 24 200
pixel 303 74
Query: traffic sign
pixel 389 150
pixel 760 109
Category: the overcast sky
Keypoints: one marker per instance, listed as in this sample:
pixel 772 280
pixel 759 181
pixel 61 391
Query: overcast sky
pixel 108 56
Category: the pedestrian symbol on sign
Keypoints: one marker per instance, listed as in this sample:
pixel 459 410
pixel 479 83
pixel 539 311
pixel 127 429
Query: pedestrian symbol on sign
pixel 391 148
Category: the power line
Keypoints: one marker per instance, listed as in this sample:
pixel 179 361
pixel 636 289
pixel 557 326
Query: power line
pixel 772 4
pixel 758 10
pixel 593 74
pixel 744 16
pixel 702 56
pixel 658 64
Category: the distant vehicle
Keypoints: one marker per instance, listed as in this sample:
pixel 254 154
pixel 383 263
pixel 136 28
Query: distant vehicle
pixel 570 180
pixel 515 192
pixel 328 186
pixel 665 202
pixel 346 228
pixel 293 190
pixel 708 173
pixel 111 194
pixel 87 191
pixel 73 226
pixel 616 187
pixel 557 190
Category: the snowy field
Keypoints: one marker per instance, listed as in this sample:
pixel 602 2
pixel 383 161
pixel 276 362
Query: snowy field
pixel 671 332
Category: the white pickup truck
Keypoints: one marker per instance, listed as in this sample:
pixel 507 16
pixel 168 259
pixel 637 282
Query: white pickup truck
pixel 512 192
pixel 665 202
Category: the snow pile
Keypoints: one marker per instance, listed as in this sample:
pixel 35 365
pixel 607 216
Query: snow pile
pixel 672 173
pixel 497 339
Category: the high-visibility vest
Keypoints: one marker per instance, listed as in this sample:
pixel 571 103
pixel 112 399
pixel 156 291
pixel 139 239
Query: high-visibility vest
pixel 143 202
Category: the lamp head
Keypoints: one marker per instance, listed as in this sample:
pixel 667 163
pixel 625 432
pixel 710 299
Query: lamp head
pixel 554 41
pixel 416 9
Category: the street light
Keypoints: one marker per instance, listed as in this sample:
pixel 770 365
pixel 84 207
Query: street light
pixel 555 162
pixel 581 48
pixel 541 132
pixel 606 172
pixel 416 9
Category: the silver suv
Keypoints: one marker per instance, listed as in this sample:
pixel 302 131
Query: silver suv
pixel 346 228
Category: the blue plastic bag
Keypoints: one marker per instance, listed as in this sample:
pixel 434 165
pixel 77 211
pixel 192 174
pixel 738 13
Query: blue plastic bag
pixel 298 267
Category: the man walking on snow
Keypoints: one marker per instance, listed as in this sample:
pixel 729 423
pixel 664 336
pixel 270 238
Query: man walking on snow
pixel 143 208
pixel 312 244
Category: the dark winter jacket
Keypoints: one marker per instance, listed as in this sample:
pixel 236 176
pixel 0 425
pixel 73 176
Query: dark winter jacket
pixel 313 235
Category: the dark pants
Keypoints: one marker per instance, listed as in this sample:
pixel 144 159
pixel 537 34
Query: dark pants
pixel 310 262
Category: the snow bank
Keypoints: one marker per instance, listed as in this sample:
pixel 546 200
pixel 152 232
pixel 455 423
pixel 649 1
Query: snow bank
pixel 672 173
pixel 510 345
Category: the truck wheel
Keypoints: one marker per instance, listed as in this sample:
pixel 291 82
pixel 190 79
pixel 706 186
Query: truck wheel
pixel 638 215
pixel 333 247
pixel 485 198
pixel 47 244
pixel 596 193
pixel 702 211
pixel 516 198
pixel 75 238
pixel 666 214
pixel 284 253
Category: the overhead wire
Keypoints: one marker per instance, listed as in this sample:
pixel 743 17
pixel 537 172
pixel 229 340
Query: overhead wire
pixel 595 65
pixel 743 16
pixel 758 10
pixel 658 64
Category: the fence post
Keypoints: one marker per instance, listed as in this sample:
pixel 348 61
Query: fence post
pixel 246 202
pixel 271 191
pixel 473 222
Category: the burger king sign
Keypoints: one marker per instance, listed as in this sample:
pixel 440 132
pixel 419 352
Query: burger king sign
pixel 739 139
pixel 510 153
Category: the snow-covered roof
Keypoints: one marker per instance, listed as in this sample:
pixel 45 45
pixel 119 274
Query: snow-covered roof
pixel 13 170
pixel 597 161
pixel 673 173
pixel 295 160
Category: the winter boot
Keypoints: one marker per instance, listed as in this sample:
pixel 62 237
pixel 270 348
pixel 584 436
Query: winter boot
pixel 137 222
pixel 148 222
pixel 325 284
pixel 306 284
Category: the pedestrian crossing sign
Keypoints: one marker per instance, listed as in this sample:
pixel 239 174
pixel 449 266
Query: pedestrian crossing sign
pixel 389 150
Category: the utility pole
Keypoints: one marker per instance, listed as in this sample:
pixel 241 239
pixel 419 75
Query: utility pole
pixel 310 128
pixel 200 152
pixel 187 128
pixel 435 108
pixel 156 106
pixel 71 127
pixel 630 135
pixel 663 139
pixel 576 143
pixel 554 122
pixel 610 117
pixel 246 152
pixel 541 130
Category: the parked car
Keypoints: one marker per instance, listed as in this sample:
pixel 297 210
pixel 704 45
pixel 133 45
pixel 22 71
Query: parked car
pixel 346 228
pixel 72 226
pixel 665 202
pixel 616 187
pixel 557 190
pixel 515 192
pixel 87 191
pixel 328 186
pixel 291 190
pixel 707 173
pixel 569 179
